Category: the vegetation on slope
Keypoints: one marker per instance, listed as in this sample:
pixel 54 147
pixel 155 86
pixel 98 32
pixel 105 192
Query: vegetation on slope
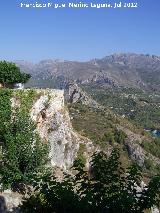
pixel 23 154
pixel 102 127
pixel 142 108
pixel 107 187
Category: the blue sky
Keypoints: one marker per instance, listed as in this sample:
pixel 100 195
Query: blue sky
pixel 77 34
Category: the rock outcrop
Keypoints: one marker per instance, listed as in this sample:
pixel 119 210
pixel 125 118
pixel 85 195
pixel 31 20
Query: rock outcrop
pixel 9 201
pixel 53 125
pixel 76 94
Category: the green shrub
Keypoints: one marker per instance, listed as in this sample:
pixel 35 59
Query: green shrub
pixel 149 164
pixel 23 153
pixel 106 188
pixel 81 153
pixel 152 147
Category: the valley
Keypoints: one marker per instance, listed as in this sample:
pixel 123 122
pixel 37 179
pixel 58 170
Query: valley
pixel 80 109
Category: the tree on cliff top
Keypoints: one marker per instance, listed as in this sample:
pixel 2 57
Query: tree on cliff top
pixel 10 74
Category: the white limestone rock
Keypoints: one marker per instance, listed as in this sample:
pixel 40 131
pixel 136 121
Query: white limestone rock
pixel 54 127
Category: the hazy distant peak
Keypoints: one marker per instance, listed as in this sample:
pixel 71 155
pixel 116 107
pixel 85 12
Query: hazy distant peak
pixel 120 69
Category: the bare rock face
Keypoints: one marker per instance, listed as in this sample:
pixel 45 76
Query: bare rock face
pixel 9 201
pixel 54 127
pixel 139 155
pixel 136 153
pixel 76 94
pixel 154 210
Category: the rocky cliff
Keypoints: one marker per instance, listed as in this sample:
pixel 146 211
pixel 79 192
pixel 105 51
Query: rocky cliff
pixel 46 108
pixel 53 123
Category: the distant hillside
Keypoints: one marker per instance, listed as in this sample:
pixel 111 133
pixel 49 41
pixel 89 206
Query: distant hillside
pixel 118 70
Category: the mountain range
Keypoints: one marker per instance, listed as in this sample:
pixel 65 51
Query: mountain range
pixel 141 71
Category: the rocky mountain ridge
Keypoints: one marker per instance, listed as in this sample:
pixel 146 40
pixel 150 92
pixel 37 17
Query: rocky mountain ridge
pixel 118 70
